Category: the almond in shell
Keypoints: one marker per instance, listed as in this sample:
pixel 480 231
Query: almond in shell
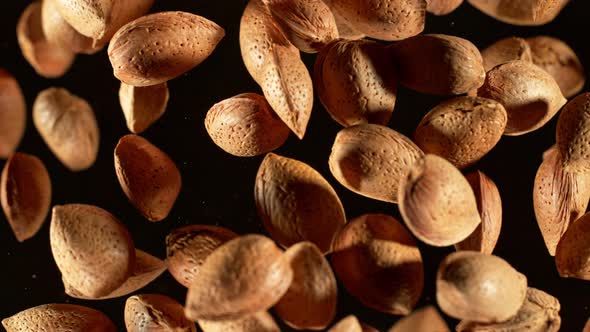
pixel 142 106
pixel 426 319
pixel 572 256
pixel 573 134
pixel 345 30
pixel 13 114
pixel 156 313
pixel 258 322
pixel 523 12
pixel 59 317
pixel 506 50
pixel 442 7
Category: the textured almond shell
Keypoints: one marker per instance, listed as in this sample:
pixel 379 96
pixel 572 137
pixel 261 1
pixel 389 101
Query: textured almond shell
pixel 479 287
pixel 345 30
pixel 245 126
pixel 59 317
pixel 13 114
pixel 442 7
pixel 155 313
pixel 242 277
pixel 522 12
pixel 258 322
pixel 296 203
pixel 68 126
pixel 572 256
pixel 25 194
pixel 426 319
pixel 506 50
pixel 378 262
pixel 142 106
pixel 347 324
pixel 573 134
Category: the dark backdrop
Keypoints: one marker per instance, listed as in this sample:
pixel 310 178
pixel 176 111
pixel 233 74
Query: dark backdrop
pixel 218 188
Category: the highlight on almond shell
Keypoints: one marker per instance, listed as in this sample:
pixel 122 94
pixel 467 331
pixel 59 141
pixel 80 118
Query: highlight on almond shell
pixel 13 114
pixel 142 106
pixel 59 317
pixel 506 50
pixel 425 319
pixel 524 12
pixel 157 313
pixel 347 324
pixel 442 7
pixel 573 134
pixel 259 322
pixel 572 256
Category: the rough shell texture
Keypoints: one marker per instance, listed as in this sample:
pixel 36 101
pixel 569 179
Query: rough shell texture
pixel 67 125
pixel 426 319
pixel 479 287
pixel 347 324
pixel 25 194
pixel 506 50
pixel 142 106
pixel 529 94
pixel 371 160
pixel 155 313
pixel 258 322
pixel 13 114
pixel 573 134
pixel 572 256
pixel 345 30
pixel 379 263
pixel 148 177
pixel 245 126
pixel 522 12
pixel 442 7
pixel 455 62
pixel 59 317
pixel 156 48
pixel 296 203
pixel 242 277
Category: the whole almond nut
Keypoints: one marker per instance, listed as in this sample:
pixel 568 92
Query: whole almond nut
pixel 370 160
pixel 442 7
pixel 347 324
pixel 142 106
pixel 479 287
pixel 188 247
pixel 506 50
pixel 378 262
pixel 296 203
pixel 156 48
pixel 92 249
pixel 523 12
pixel 529 94
pixel 310 301
pixel 148 177
pixel 462 130
pixel 345 30
pixel 25 194
pixel 425 319
pixel 67 124
pixel 245 126
pixel 155 313
pixel 437 203
pixel 59 317
pixel 242 277
pixel 258 322
pixel 13 114
pixel 573 134
pixel 572 256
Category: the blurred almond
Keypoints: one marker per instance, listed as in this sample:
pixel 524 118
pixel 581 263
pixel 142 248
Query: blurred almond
pixel 573 134
pixel 572 256
pixel 347 324
pixel 155 313
pixel 13 114
pixel 506 50
pixel 426 319
pixel 368 328
pixel 59 317
pixel 142 106
pixel 587 326
pixel 258 322
pixel 442 7
pixel 522 12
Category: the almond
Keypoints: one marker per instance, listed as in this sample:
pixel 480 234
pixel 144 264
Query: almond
pixel 426 319
pixel 442 7
pixel 156 313
pixel 506 50
pixel 523 12
pixel 142 106
pixel 345 30
pixel 572 256
pixel 573 134
pixel 59 317
pixel 13 114
pixel 368 328
pixel 347 324
pixel 587 326
pixel 258 322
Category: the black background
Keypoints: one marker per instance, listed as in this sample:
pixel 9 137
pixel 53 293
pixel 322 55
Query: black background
pixel 218 188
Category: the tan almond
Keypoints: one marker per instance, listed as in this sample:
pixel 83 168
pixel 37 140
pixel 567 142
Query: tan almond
pixel 345 30
pixel 68 126
pixel 244 276
pixel 296 203
pixel 462 130
pixel 522 12
pixel 378 262
pixel 188 247
pixel 347 324
pixel 442 7
pixel 573 134
pixel 13 114
pixel 59 317
pixel 258 322
pixel 245 126
pixel 310 301
pixel 92 249
pixel 156 48
pixel 148 177
pixel 489 205
pixel 142 106
pixel 506 50
pixel 25 194
pixel 539 313
pixel 437 203
pixel 356 82
pixel 426 319
pixel 155 313
pixel 479 287
pixel 572 256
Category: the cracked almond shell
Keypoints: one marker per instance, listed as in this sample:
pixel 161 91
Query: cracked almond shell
pixel 442 7
pixel 506 50
pixel 572 256
pixel 522 12
pixel 13 114
pixel 142 106
pixel 258 322
pixel 573 134
pixel 59 317
pixel 426 319
pixel 347 324
pixel 155 313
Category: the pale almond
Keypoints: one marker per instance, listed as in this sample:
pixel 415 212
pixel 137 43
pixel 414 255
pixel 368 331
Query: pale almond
pixel 426 319
pixel 506 50
pixel 13 114
pixel 142 106
pixel 522 12
pixel 572 256
pixel 59 317
pixel 573 134
pixel 155 313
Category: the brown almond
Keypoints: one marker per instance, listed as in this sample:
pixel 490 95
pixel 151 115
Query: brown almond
pixel 59 317
pixel 242 277
pixel 142 106
pixel 156 48
pixel 310 301
pixel 573 134
pixel 442 7
pixel 572 256
pixel 68 126
pixel 426 319
pixel 13 114
pixel 25 193
pixel 522 12
pixel 258 322
pixel 155 313
pixel 479 287
pixel 148 177
pixel 455 62
pixel 347 324
pixel 188 247
pixel 539 313
pixel 296 203
pixel 462 130
pixel 92 249
pixel 379 263
pixel 587 326
pixel 368 328
pixel 506 50
pixel 529 94
pixel 356 82
pixel 245 126
pixel 437 203
pixel 345 30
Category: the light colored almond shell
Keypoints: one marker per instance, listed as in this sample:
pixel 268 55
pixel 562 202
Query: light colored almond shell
pixel 378 262
pixel 522 12
pixel 59 317
pixel 529 94
pixel 310 302
pixel 188 247
pixel 156 48
pixel 462 130
pixel 244 276
pixel 258 322
pixel 345 30
pixel 442 7
pixel 506 50
pixel 426 319
pixel 572 256
pixel 573 134
pixel 296 203
pixel 479 287
pixel 13 114
pixel 148 177
pixel 437 203
pixel 370 160
pixel 142 106
pixel 155 313
pixel 25 194
pixel 68 126
pixel 245 126
pixel 539 313
pixel 92 249
pixel 347 324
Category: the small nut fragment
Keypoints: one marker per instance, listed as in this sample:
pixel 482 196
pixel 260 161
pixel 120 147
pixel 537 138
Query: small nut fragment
pixel 506 50
pixel 142 106
pixel 442 7
pixel 13 114
pixel 347 324
pixel 573 134
pixel 258 322
pixel 425 319
pixel 59 317
pixel 155 313
pixel 572 256
pixel 522 12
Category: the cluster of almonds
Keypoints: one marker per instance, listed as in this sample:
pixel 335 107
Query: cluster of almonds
pixel 513 87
